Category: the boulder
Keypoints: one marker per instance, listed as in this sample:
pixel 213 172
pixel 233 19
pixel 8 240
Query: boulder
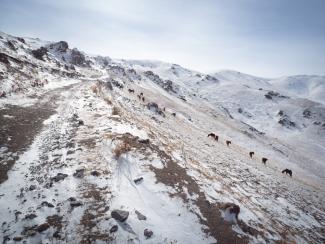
pixel 39 53
pixel 140 215
pixel 59 177
pixel 138 180
pixel 147 233
pixel 113 229
pixel 80 173
pixel 43 227
pixel 120 215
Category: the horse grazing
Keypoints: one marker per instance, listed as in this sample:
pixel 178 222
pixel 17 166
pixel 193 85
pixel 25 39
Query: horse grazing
pixel 143 99
pixel 287 171
pixel 131 90
pixel 174 114
pixel 141 94
pixel 264 160
pixel 251 154
pixel 216 137
pixel 212 135
pixel 228 143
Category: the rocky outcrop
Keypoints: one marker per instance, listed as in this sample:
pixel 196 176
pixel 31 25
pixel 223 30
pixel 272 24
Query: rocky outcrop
pixel 120 215
pixel 60 46
pixel 40 53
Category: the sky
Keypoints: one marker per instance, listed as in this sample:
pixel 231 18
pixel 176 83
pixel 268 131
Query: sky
pixel 268 38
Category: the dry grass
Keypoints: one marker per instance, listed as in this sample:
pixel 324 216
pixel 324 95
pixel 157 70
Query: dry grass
pixel 121 148
pixel 108 100
pixel 94 89
pixel 115 111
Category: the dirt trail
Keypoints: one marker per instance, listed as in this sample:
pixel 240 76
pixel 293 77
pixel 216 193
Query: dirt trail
pixel 19 126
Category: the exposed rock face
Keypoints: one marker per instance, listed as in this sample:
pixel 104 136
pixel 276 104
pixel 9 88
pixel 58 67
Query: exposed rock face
pixel 165 84
pixel 77 58
pixel 272 94
pixel 39 53
pixel 120 215
pixel 60 46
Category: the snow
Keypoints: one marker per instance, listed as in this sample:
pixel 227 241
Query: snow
pixel 83 135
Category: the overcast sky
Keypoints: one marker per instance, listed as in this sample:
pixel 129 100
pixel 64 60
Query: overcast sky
pixel 261 37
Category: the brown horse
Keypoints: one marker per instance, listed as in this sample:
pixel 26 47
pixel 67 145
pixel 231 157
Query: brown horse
pixel 228 143
pixel 251 154
pixel 264 160
pixel 131 90
pixel 216 137
pixel 287 171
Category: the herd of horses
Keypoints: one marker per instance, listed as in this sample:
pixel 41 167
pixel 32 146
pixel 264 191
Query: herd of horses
pixel 216 137
pixel 251 154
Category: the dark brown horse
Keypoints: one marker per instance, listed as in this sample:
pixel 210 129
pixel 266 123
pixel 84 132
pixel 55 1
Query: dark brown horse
pixel 212 135
pixel 228 143
pixel 287 171
pixel 264 160
pixel 251 154
pixel 131 90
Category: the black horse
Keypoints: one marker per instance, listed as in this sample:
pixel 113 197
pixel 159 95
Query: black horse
pixel 131 90
pixel 264 160
pixel 251 154
pixel 287 171
pixel 228 143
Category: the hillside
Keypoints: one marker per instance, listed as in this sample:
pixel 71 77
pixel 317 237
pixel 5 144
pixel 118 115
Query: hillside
pixel 101 150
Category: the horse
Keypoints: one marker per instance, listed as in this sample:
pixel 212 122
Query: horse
pixel 216 137
pixel 143 99
pixel 141 94
pixel 251 154
pixel 228 143
pixel 264 160
pixel 212 135
pixel 131 90
pixel 287 171
pixel 174 114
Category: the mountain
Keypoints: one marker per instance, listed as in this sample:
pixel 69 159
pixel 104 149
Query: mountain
pixel 95 149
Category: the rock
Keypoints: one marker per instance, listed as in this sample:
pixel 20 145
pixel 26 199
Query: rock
pixel 95 173
pixel 60 46
pixel 140 215
pixel 57 234
pixel 138 180
pixel 77 58
pixel 113 229
pixel 120 215
pixel 80 122
pixel 47 204
pixel 30 216
pixel 17 238
pixel 39 53
pixel 43 227
pixel 59 177
pixel 147 233
pixel 32 187
pixel 144 141
pixel 21 39
pixel 80 173
pixel 75 204
pixel 72 199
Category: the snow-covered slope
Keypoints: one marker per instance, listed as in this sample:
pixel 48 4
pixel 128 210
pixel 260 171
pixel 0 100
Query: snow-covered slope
pixel 306 86
pixel 97 150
